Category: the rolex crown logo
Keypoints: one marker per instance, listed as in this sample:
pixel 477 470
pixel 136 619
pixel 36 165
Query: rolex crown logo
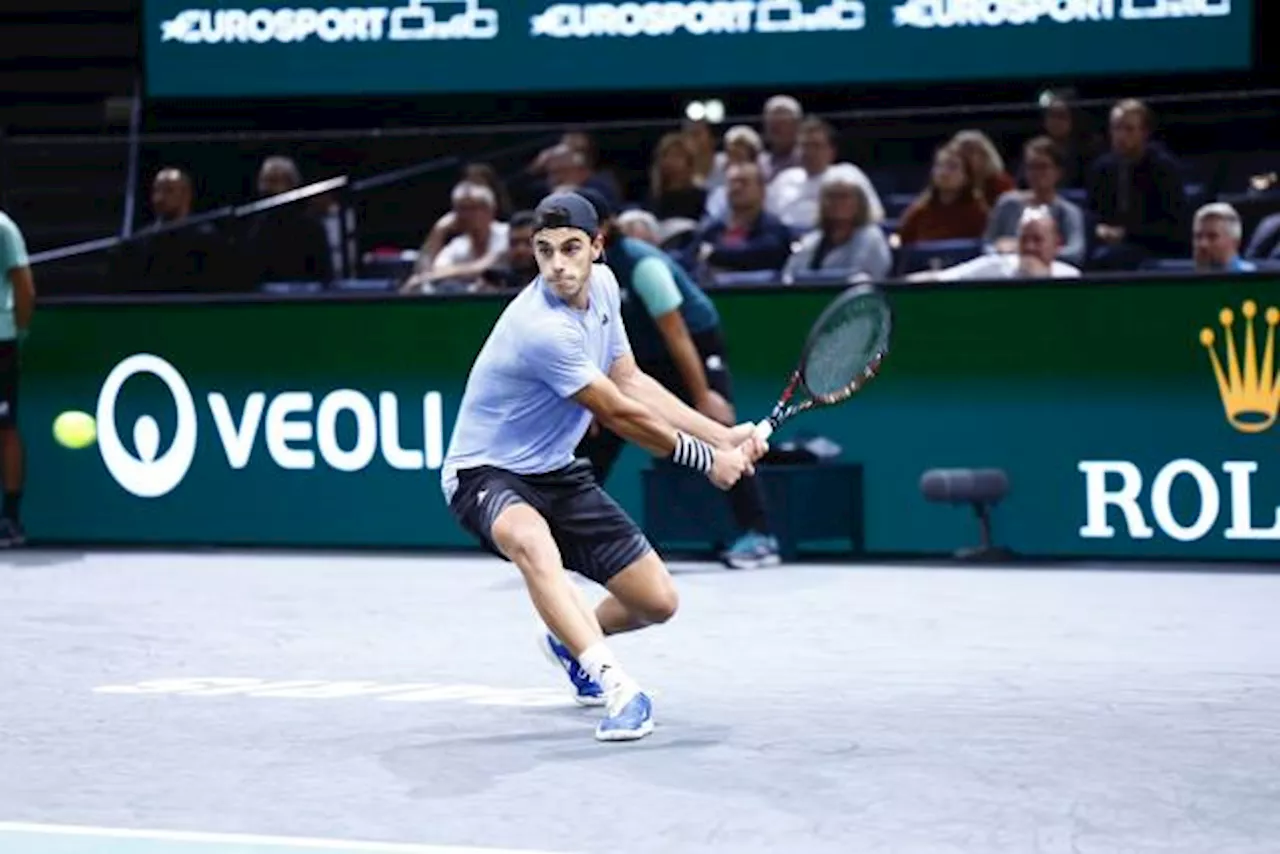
pixel 1250 392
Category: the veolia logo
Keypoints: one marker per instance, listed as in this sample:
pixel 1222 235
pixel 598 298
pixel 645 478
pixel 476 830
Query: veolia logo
pixel 147 475
pixel 297 430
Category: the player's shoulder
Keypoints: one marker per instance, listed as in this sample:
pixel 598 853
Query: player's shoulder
pixel 7 223
pixel 604 282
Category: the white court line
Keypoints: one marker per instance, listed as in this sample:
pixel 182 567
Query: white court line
pixel 249 839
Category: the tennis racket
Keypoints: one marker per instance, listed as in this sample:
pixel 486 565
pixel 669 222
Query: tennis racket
pixel 844 351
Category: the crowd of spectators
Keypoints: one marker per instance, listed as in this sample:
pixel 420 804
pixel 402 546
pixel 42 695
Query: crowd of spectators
pixel 772 204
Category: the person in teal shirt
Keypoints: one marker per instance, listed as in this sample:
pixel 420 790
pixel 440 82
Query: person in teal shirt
pixel 674 330
pixel 17 301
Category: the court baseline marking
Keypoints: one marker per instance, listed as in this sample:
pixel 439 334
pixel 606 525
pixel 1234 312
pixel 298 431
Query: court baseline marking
pixel 299 843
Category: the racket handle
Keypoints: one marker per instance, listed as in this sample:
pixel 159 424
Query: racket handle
pixel 764 430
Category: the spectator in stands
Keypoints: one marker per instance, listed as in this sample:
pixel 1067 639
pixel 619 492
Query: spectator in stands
pixel 1079 144
pixel 1216 233
pixel 985 163
pixel 568 169
pixel 1265 243
pixel 516 267
pixel 748 238
pixel 549 170
pixel 480 244
pixel 1136 194
pixel 741 145
pixel 162 257
pixel 846 243
pixel 782 115
pixel 950 208
pixel 285 243
pixel 446 227
pixel 17 304
pixel 793 194
pixel 702 141
pixel 1042 161
pixel 673 190
pixel 1036 256
pixel 640 225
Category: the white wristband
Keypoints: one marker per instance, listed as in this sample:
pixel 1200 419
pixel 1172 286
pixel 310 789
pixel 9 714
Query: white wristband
pixel 693 452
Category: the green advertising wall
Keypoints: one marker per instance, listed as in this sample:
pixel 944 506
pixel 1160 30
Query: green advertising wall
pixel 275 48
pixel 1057 383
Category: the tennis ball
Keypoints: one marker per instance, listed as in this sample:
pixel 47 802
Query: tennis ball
pixel 75 430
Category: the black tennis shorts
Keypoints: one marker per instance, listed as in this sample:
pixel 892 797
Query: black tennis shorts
pixel 8 383
pixel 596 538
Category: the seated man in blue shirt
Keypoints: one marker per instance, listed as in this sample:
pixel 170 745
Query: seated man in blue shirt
pixel 747 238
pixel 675 336
pixel 1216 236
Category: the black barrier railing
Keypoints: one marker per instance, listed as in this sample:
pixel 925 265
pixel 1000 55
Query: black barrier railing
pixel 348 189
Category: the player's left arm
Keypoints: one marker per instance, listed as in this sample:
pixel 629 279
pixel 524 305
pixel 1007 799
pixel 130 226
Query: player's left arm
pixel 638 385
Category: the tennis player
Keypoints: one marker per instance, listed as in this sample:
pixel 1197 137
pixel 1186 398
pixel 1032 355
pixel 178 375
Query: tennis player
pixel 557 357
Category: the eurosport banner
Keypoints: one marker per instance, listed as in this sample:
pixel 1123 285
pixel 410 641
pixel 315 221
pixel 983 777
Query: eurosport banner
pixel 1133 418
pixel 238 48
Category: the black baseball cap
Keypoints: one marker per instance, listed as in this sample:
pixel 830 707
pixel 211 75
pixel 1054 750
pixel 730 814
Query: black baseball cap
pixel 566 210
pixel 604 210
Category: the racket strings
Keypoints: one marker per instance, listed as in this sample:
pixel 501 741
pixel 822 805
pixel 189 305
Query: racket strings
pixel 845 349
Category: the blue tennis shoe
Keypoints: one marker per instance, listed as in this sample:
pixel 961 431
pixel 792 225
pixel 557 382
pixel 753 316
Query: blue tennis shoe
pixel 587 692
pixel 633 720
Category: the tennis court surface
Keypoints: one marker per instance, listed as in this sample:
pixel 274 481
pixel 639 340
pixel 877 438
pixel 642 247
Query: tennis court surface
pixel 226 703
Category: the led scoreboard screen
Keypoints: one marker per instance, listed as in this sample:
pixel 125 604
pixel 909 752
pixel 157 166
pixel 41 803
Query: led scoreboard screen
pixel 234 48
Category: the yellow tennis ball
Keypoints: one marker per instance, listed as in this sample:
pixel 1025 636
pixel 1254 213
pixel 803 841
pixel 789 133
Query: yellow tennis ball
pixel 75 430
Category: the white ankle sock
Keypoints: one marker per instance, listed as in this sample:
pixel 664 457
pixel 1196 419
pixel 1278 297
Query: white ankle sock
pixel 601 664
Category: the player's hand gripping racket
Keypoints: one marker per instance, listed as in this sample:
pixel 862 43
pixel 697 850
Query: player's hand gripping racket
pixel 844 350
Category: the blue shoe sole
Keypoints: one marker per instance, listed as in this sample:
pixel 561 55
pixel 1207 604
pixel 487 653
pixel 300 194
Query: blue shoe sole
pixel 630 733
pixel 625 734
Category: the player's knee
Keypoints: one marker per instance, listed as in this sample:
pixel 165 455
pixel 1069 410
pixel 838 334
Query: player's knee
pixel 523 537
pixel 661 606
pixel 528 551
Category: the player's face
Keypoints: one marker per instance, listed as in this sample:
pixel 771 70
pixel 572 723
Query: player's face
pixel 565 256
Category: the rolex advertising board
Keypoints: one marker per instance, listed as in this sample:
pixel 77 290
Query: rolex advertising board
pixel 237 48
pixel 1134 418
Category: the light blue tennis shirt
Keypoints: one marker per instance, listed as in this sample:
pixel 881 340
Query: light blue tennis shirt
pixel 517 411
pixel 13 254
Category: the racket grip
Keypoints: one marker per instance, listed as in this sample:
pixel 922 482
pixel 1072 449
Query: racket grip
pixel 764 430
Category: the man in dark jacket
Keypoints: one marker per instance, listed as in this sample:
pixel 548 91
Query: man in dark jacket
pixel 748 238
pixel 1136 193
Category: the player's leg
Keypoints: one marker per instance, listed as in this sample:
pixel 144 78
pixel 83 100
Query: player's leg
pixel 600 542
pixel 755 546
pixel 641 595
pixel 12 457
pixel 522 535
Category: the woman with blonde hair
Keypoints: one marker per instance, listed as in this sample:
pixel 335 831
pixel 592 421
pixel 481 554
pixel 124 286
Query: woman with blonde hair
pixel 985 162
pixel 951 207
pixel 673 188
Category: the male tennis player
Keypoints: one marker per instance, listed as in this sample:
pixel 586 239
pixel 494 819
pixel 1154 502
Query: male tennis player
pixel 557 357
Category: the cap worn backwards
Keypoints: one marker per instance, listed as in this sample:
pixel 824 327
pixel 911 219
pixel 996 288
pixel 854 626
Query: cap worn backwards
pixel 566 210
